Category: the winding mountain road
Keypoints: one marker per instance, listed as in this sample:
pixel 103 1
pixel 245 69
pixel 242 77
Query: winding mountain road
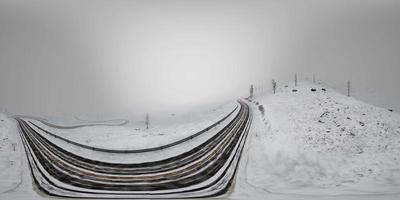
pixel 205 170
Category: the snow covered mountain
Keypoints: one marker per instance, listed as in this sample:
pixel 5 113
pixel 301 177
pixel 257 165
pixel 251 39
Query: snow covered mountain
pixel 311 140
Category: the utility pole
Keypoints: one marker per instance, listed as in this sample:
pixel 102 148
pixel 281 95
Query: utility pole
pixel 295 79
pixel 147 121
pixel 348 88
pixel 274 85
pixel 251 91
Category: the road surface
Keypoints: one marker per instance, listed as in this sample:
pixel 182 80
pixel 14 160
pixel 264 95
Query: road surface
pixel 205 170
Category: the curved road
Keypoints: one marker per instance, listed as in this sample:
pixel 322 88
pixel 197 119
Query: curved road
pixel 204 171
pixel 122 151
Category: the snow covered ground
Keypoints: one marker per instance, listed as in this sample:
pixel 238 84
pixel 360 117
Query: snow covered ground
pixel 164 128
pixel 305 145
pixel 10 153
pixel 320 144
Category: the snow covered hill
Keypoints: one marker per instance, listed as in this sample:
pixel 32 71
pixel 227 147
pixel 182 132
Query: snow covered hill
pixel 321 143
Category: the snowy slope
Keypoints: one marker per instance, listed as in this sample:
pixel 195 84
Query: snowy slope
pixel 320 143
pixel 10 152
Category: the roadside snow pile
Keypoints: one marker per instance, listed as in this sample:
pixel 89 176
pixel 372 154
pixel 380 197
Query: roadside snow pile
pixel 321 142
pixel 10 162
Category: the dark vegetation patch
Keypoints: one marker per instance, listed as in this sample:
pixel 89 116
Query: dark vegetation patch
pixel 261 109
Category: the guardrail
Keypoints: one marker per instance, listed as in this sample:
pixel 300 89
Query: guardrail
pixel 136 150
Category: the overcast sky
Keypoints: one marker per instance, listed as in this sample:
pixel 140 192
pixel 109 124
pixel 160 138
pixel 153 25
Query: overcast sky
pixel 69 57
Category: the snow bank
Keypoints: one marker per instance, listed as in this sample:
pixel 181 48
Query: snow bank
pixel 322 142
pixel 10 155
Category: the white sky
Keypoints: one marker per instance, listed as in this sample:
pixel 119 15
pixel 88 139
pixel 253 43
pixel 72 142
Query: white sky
pixel 63 57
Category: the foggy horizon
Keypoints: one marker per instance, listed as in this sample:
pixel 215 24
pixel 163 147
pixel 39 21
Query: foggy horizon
pixel 76 57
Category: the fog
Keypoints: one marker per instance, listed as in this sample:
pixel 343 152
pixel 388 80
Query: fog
pixel 74 57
